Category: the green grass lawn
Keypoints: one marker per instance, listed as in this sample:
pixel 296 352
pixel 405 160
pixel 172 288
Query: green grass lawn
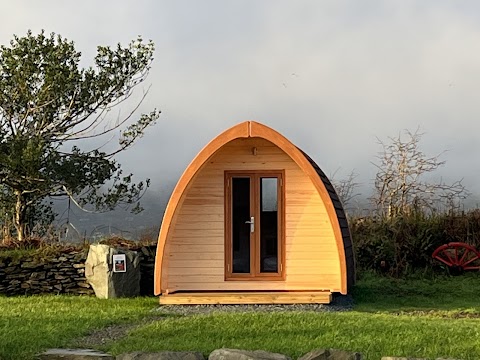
pixel 416 317
pixel 434 317
pixel 440 294
pixel 297 333
pixel 31 324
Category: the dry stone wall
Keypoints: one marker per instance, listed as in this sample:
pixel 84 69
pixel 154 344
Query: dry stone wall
pixel 60 274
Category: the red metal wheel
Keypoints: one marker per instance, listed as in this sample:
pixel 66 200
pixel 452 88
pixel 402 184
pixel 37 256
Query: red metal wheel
pixel 458 256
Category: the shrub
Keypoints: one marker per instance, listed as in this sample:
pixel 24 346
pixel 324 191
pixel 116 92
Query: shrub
pixel 405 243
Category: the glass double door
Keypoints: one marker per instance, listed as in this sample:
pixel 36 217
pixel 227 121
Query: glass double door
pixel 254 225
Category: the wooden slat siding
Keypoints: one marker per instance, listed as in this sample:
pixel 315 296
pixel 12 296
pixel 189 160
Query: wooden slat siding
pixel 203 272
pixel 342 219
pixel 325 281
pixel 309 236
pixel 173 257
pixel 218 278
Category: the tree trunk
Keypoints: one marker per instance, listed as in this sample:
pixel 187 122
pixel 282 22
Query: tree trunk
pixel 20 215
pixel 6 232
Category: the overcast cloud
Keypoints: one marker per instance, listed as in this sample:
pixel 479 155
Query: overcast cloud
pixel 329 75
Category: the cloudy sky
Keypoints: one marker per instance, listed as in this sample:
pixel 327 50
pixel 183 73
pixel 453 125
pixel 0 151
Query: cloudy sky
pixel 329 75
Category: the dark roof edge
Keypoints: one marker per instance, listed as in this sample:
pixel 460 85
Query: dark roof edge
pixel 342 220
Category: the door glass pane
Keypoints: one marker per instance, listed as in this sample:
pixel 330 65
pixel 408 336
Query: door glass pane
pixel 240 230
pixel 269 225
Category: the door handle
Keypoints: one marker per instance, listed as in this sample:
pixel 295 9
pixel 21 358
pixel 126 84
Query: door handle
pixel 252 224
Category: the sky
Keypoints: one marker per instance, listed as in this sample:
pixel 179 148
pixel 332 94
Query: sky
pixel 331 76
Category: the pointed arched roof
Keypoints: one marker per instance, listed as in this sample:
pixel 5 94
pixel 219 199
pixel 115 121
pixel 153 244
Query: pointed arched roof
pixel 320 181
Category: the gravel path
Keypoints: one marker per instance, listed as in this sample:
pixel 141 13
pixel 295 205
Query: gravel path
pixel 112 333
pixel 340 303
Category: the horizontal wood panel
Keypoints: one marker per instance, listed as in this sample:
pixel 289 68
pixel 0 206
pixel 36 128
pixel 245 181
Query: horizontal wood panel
pixel 291 263
pixel 331 285
pixel 247 298
pixel 197 248
pixel 208 273
pixel 308 265
pixel 193 209
pixel 299 209
pixel 253 160
pixel 245 165
pixel 198 240
pixel 305 255
pixel 205 217
pixel 311 264
pixel 199 225
pixel 322 226
pixel 195 278
pixel 312 245
pixel 297 176
pixel 307 204
pixel 312 216
pixel 319 248
pixel 219 278
pixel 195 233
pixel 186 237
pixel 312 239
pixel 318 271
pixel 198 263
pixel 301 192
pixel 216 182
pixel 300 232
pixel 199 271
pixel 318 251
pixel 309 269
pixel 204 201
pixel 309 236
pixel 194 256
pixel 303 259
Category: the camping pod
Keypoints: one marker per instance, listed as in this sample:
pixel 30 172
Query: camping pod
pixel 254 220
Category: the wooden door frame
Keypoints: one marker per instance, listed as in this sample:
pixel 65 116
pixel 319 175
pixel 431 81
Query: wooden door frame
pixel 255 274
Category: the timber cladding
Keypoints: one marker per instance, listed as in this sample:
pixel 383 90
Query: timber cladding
pixel 315 252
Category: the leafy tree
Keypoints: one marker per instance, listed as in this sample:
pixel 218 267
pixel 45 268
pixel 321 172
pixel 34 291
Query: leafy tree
pixel 48 104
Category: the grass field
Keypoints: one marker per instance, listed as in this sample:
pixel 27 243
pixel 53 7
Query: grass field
pixel 431 318
pixel 31 324
pixel 436 317
pixel 297 333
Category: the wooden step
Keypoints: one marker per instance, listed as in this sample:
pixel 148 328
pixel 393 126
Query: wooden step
pixel 253 297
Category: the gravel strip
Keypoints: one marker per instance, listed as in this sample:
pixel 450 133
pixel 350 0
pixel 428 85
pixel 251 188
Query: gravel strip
pixel 340 303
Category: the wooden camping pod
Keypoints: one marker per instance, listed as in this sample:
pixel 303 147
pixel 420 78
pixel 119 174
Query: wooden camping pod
pixel 313 253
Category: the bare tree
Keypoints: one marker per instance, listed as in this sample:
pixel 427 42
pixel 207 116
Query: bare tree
pixel 400 183
pixel 346 188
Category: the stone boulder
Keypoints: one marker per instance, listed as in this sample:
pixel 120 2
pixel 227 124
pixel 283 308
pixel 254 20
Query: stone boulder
pixel 235 354
pixel 162 355
pixel 105 282
pixel 74 354
pixel 331 354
